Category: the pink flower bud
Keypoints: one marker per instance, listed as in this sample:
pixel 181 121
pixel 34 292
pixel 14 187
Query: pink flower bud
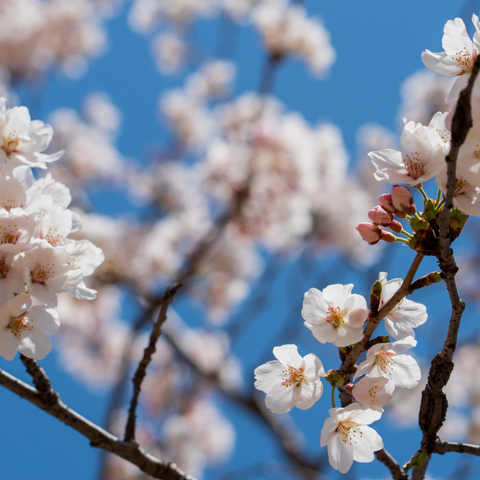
pixel 349 388
pixel 370 232
pixel 386 203
pixel 402 199
pixel 396 226
pixel 379 216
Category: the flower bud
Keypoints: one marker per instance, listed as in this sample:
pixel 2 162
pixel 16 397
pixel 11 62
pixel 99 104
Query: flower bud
pixel 387 237
pixel 370 232
pixel 379 216
pixel 396 226
pixel 386 202
pixel 402 199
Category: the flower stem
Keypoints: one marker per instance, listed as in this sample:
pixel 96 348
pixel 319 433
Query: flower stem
pixel 398 239
pixel 422 191
pixel 409 235
pixel 333 398
pixel 439 197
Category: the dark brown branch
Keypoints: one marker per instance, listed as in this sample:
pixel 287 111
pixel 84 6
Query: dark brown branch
pixel 445 447
pixel 433 407
pixel 374 320
pixel 147 358
pixel 98 437
pixel 41 381
pixel 395 469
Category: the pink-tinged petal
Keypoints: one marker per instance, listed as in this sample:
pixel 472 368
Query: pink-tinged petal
pixel 35 347
pixel 314 306
pixel 288 355
pixel 268 376
pixel 340 455
pixel 43 294
pixel 364 368
pixel 8 346
pixel 16 306
pixel 371 392
pixel 370 232
pixel 280 402
pixel 370 442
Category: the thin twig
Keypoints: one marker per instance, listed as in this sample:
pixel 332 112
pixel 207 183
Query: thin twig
pixel 395 469
pixel 147 358
pixel 98 437
pixel 445 447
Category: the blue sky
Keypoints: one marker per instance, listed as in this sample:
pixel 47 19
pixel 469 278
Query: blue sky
pixel 378 45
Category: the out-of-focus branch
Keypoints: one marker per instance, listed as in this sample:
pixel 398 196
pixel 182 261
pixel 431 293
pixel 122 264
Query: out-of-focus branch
pixel 445 447
pixel 286 437
pixel 147 357
pixel 98 437
pixel 433 407
pixel 395 469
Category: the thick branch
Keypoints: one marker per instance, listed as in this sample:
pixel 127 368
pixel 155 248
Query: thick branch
pixel 433 408
pixel 445 447
pixel 97 436
pixel 395 469
pixel 147 358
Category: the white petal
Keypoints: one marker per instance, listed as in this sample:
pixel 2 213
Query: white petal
pixel 370 442
pixel 280 402
pixel 340 455
pixel 268 375
pixel 288 355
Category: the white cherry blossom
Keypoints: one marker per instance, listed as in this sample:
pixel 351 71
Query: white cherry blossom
pixel 348 437
pixel 459 55
pixel 290 381
pixel 406 315
pixel 22 139
pixel 371 392
pixel 26 328
pixel 335 314
pixel 389 360
pixel 421 157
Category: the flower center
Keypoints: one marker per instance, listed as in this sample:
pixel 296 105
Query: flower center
pixel 20 324
pixel 461 187
pixel 414 166
pixel 335 317
pixel 464 60
pixel 42 273
pixel 9 203
pixel 349 431
pixel 4 268
pixel 293 376
pixel 385 362
pixel 10 143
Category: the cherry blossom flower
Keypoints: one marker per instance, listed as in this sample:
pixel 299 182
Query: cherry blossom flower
pixel 348 437
pixel 389 360
pixel 370 392
pixel 459 55
pixel 421 157
pixel 22 140
pixel 335 314
pixel 406 315
pixel 26 328
pixel 290 381
pixel 467 190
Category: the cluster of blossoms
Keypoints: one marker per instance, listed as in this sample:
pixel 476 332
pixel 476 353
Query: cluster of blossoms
pixel 37 259
pixel 337 316
pixel 286 29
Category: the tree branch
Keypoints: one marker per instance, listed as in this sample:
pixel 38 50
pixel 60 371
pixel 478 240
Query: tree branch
pixel 433 407
pixel 98 437
pixel 147 358
pixel 445 447
pixel 395 469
